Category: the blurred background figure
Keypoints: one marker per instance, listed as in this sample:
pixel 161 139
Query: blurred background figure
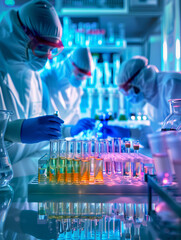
pixel 140 82
pixel 28 37
pixel 61 79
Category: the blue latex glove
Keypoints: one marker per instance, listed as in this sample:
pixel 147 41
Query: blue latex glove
pixel 116 131
pixel 82 124
pixel 39 129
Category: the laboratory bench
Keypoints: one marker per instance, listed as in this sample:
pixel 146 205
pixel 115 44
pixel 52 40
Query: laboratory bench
pixel 71 216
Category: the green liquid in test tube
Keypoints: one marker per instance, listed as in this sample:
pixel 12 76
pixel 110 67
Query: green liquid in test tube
pixel 69 162
pixel 54 156
pixel 61 162
pixel 77 161
pixel 42 171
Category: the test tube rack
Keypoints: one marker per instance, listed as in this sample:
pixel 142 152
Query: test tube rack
pixel 113 187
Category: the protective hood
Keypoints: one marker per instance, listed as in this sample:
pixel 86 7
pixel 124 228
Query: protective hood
pixel 145 79
pixel 12 42
pixel 40 17
pixel 82 59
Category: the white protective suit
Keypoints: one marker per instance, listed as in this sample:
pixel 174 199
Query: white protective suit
pixel 62 95
pixel 157 88
pixel 20 87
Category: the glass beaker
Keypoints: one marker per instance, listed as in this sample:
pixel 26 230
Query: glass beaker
pixel 6 172
pixel 173 120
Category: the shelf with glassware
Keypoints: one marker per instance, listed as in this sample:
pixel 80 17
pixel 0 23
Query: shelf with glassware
pixel 92 35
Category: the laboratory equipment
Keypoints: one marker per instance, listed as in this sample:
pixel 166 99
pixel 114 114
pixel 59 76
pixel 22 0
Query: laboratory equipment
pixel 173 142
pixel 127 163
pixel 54 156
pixel 6 172
pixel 173 120
pixel 98 163
pixel 77 161
pixel 69 162
pixel 42 170
pixel 61 161
pixel 137 164
pixel 163 165
pixel 118 160
pixel 85 162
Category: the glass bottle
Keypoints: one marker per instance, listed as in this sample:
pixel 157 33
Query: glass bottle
pixel 6 172
pixel 173 121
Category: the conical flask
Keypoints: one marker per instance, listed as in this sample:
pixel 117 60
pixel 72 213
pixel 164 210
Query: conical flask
pixel 173 120
pixel 6 172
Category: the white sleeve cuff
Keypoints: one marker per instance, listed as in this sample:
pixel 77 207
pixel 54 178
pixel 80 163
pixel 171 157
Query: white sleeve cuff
pixel 13 131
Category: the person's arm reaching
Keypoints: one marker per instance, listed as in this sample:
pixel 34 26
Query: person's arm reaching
pixel 34 130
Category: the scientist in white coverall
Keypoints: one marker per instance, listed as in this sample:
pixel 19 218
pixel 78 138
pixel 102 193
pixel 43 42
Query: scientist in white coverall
pixel 28 36
pixel 62 78
pixel 139 81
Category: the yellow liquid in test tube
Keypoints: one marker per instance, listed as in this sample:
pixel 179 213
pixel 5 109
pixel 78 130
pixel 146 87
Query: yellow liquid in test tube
pixel 91 180
pixel 69 170
pixel 76 171
pixel 53 170
pixel 61 170
pixel 98 171
pixel 85 171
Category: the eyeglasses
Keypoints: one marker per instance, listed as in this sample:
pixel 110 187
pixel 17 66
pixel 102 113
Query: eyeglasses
pixel 124 88
pixel 41 47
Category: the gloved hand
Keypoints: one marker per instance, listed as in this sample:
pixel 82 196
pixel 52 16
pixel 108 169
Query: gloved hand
pixel 82 124
pixel 115 131
pixel 39 129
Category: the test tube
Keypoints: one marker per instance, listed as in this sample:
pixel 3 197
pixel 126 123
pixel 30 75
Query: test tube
pixel 92 161
pixel 77 161
pixel 127 146
pixel 42 171
pixel 98 162
pixel 42 211
pixel 108 158
pixel 54 155
pixel 139 212
pixel 61 162
pixel 85 162
pixel 128 212
pixel 127 162
pixel 69 162
pixel 118 161
pixel 137 165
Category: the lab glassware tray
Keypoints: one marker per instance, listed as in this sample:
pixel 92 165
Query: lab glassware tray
pixel 112 187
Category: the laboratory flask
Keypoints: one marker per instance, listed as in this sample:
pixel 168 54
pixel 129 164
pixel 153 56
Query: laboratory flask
pixel 6 172
pixel 173 121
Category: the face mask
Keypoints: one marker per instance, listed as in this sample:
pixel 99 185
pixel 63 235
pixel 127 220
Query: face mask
pixel 35 63
pixel 134 97
pixel 74 81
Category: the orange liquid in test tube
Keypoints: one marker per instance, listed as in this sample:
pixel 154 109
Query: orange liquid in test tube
pixel 98 170
pixel 85 171
pixel 76 171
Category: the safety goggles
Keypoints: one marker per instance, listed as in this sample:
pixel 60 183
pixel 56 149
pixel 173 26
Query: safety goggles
pixel 80 72
pixel 125 87
pixel 41 47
